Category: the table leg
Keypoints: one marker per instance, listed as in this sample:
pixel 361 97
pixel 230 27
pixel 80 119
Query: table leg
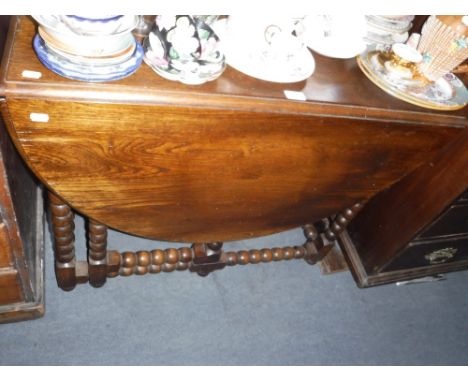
pixel 97 253
pixel 63 227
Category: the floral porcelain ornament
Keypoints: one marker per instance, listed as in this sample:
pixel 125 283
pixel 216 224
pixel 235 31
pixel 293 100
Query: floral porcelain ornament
pixel 443 45
pixel 184 48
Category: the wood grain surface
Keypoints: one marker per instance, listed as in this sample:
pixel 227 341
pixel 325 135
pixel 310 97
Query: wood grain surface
pixel 226 160
pixel 179 173
pixel 394 217
pixel 10 287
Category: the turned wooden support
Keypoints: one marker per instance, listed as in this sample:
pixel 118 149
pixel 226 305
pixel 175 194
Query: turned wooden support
pixel 322 235
pixel 171 259
pixel 341 221
pixel 63 227
pixel 201 258
pixel 264 255
pixel 316 247
pixel 143 262
pixel 204 258
pixel 97 253
pixel 207 258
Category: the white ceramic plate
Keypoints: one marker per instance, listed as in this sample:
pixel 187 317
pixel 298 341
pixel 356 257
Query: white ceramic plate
pixel 91 46
pixel 97 61
pixel 298 68
pixel 56 24
pixel 390 25
pixel 254 64
pixel 337 49
pixel 337 36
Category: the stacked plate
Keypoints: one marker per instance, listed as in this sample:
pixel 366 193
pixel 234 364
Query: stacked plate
pixel 388 30
pixel 338 35
pixel 88 48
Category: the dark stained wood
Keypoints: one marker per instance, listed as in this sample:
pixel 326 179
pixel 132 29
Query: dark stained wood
pixel 6 258
pixel 207 258
pixel 171 259
pixel 10 287
pixel 12 244
pixel 63 227
pixel 97 253
pixel 21 312
pixel 453 222
pixel 418 23
pixel 21 234
pixel 331 259
pixel 113 263
pixel 334 262
pixel 392 218
pixel 337 87
pixel 203 177
pixel 226 160
pixel 174 162
pixel 341 221
pixel 365 279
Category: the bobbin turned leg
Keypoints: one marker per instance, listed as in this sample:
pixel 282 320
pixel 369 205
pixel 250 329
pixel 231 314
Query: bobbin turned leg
pixel 97 253
pixel 341 221
pixel 63 227
pixel 321 236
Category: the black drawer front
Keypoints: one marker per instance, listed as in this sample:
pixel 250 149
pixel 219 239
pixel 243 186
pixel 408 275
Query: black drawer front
pixel 421 254
pixel 464 196
pixel 453 222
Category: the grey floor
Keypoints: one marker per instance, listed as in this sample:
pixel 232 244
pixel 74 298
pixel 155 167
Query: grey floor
pixel 283 313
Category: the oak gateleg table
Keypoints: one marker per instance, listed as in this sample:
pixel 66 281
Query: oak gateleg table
pixel 226 160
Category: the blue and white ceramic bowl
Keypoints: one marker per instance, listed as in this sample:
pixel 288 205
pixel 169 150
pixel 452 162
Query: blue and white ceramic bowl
pixel 86 72
pixel 86 45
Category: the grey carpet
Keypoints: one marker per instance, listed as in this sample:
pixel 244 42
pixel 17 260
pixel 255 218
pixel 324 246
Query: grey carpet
pixel 283 313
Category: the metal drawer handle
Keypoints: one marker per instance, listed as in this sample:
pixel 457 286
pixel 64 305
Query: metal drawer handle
pixel 441 256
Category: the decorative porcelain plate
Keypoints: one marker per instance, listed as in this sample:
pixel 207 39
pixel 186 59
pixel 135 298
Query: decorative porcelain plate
pixel 337 36
pixel 298 68
pixel 89 73
pixel 259 64
pixel 447 93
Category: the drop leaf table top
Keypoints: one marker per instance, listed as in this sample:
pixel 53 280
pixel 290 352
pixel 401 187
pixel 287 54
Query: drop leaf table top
pixel 230 159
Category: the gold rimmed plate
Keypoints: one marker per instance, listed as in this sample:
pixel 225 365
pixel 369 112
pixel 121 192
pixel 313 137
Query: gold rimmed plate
pixel 447 93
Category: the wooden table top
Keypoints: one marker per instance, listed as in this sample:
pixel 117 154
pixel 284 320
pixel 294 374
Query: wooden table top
pixel 336 87
pixel 225 160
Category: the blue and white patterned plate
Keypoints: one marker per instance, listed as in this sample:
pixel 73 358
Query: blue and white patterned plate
pixel 86 72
